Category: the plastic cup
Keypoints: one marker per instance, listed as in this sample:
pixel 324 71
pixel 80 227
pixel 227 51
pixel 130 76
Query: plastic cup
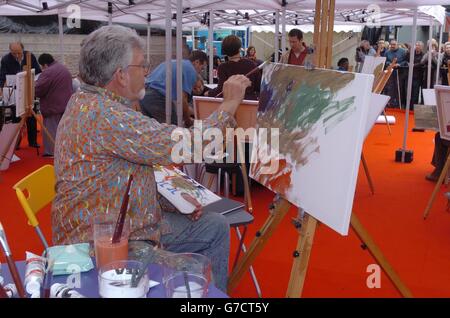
pixel 115 280
pixel 106 251
pixel 186 275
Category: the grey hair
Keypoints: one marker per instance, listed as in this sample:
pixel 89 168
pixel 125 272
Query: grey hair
pixel 104 51
pixel 420 43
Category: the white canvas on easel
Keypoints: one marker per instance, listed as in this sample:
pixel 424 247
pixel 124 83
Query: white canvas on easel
pixel 443 110
pixel 373 65
pixel 20 97
pixel 8 139
pixel 322 116
pixel 377 103
pixel 429 96
pixel 20 93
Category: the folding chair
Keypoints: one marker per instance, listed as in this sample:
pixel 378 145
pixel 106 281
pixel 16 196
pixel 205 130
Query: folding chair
pixel 34 192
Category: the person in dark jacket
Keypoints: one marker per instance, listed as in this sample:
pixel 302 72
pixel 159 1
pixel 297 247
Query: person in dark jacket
pixel 399 74
pixel 231 47
pixel 54 88
pixel 445 59
pixel 11 64
pixel 417 79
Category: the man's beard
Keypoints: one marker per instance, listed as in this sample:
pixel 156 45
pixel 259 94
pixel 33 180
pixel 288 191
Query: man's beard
pixel 141 94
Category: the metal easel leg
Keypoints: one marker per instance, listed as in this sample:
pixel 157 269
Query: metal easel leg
pixel 398 90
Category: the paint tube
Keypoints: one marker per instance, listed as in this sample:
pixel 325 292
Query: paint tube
pixel 34 272
pixel 11 290
pixel 63 291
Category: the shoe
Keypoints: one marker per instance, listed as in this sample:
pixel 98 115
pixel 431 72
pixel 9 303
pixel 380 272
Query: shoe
pixel 432 177
pixel 34 145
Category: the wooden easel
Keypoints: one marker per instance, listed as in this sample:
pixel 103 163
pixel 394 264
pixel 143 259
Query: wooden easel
pixel 28 104
pixel 437 187
pixel 304 246
pixel 381 82
pixel 323 37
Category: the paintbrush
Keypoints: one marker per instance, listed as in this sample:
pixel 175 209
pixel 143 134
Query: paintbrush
pixel 47 283
pixel 186 283
pixel 122 214
pixel 11 264
pixel 259 67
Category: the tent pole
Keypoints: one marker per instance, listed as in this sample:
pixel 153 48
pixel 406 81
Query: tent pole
pixel 410 74
pixel 149 36
pixel 250 36
pixel 430 36
pixel 211 45
pixel 277 33
pixel 193 38
pixel 439 50
pixel 283 30
pixel 61 39
pixel 179 47
pixel 168 61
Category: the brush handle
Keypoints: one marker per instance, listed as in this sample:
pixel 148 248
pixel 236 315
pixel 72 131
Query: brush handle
pixel 247 75
pixel 16 277
pixel 123 212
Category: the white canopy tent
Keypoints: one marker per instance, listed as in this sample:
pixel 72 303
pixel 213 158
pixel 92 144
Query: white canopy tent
pixel 298 12
pixel 253 13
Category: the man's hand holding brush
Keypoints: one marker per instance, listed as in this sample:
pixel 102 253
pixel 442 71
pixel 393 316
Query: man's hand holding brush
pixel 234 92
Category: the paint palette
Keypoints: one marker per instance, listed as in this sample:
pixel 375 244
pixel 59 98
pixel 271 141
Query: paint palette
pixel 181 190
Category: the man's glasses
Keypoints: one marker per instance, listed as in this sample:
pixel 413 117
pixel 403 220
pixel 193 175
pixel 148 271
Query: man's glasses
pixel 145 66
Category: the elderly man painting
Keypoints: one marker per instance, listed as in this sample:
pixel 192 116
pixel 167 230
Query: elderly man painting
pixel 101 140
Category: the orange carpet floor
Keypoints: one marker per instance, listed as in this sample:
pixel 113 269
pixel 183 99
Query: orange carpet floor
pixel 418 250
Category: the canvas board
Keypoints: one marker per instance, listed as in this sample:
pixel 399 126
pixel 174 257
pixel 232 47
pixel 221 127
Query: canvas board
pixel 322 120
pixel 173 184
pixel 373 65
pixel 377 103
pixel 443 110
pixel 20 92
pixel 429 96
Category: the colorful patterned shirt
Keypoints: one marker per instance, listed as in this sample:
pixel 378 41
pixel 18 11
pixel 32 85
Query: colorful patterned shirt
pixel 100 141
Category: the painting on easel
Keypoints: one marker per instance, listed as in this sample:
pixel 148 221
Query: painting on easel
pixel 20 96
pixel 321 116
pixel 443 109
pixel 374 65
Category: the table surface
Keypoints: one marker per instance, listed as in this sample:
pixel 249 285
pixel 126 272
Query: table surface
pixel 89 282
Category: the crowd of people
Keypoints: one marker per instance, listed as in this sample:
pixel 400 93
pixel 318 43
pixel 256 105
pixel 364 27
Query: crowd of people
pixel 396 87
